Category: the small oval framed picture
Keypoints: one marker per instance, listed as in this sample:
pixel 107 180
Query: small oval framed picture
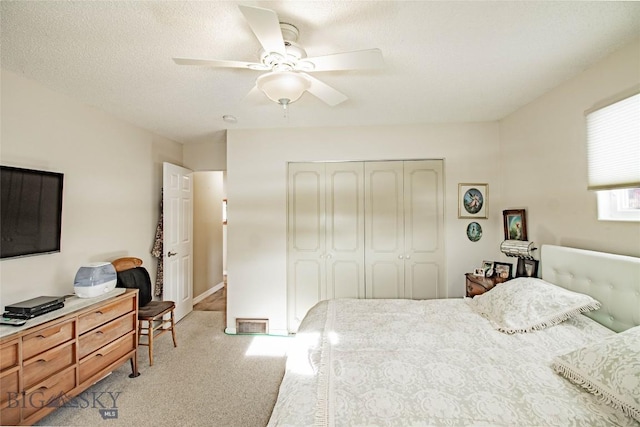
pixel 474 231
pixel 473 201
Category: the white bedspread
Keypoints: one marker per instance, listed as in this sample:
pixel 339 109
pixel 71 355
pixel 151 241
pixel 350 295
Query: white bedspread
pixel 434 362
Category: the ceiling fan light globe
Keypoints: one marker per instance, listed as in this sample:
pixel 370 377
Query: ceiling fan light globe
pixel 279 86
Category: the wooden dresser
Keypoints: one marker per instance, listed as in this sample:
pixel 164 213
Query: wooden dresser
pixel 60 358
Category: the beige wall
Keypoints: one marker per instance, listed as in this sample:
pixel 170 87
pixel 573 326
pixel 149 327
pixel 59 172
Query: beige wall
pixel 208 154
pixel 207 227
pixel 257 189
pixel 543 158
pixel 112 183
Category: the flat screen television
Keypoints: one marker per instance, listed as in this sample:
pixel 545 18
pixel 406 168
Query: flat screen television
pixel 30 212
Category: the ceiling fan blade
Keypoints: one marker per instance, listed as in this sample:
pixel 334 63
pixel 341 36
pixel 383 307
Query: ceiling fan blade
pixel 358 60
pixel 219 63
pixel 325 92
pixel 265 25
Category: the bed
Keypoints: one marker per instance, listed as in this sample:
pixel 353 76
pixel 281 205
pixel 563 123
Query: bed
pixel 501 359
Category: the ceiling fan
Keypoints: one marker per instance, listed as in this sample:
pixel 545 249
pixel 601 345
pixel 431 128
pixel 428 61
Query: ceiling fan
pixel 286 61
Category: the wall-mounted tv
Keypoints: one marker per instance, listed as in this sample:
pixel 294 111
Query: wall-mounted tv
pixel 30 212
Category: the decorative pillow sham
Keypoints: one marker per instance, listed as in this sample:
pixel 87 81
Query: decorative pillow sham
pixel 526 304
pixel 609 368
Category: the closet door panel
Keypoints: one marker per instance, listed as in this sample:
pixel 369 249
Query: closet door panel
pixel 384 236
pixel 345 279
pixel 385 280
pixel 422 280
pixel 307 211
pixel 423 218
pixel 308 279
pixel 345 229
pixel 305 240
pixel 421 208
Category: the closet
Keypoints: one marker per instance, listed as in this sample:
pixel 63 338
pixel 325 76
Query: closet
pixel 364 230
pixel 325 234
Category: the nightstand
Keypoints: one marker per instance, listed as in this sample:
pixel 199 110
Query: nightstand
pixel 478 285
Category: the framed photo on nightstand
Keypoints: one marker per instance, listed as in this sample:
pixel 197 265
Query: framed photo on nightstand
pixel 487 266
pixel 502 270
pixel 530 267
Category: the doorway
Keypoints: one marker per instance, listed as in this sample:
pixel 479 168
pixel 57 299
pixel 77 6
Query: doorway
pixel 209 280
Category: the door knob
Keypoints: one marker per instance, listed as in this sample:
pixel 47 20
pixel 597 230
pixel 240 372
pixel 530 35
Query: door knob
pixel 400 257
pixel 408 257
pixel 172 253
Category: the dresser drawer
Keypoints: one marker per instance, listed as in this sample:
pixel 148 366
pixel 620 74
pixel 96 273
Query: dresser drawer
pixel 102 358
pixel 48 363
pixel 42 394
pixel 10 414
pixel 46 338
pixel 98 337
pixel 9 355
pixel 103 314
pixel 9 386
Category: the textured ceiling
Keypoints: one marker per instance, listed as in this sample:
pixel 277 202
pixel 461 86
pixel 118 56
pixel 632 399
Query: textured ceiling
pixel 445 61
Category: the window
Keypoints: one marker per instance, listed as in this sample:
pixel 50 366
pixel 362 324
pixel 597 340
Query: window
pixel 613 150
pixel 619 205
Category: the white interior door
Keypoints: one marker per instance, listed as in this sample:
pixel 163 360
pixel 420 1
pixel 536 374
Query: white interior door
pixel 177 202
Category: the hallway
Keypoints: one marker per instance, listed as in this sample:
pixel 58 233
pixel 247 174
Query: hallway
pixel 214 302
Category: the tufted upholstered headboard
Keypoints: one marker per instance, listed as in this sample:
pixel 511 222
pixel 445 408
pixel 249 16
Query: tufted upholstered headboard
pixel 614 280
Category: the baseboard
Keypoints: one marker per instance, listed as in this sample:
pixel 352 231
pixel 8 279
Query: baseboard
pixel 208 292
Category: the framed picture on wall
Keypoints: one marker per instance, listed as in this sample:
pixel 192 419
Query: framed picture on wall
pixel 515 224
pixel 473 200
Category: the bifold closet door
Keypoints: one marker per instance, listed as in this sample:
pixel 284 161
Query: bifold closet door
pixel 404 217
pixel 344 225
pixel 384 220
pixel 423 230
pixel 325 235
pixel 306 241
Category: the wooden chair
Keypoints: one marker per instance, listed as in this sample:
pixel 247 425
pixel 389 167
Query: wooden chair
pixel 151 321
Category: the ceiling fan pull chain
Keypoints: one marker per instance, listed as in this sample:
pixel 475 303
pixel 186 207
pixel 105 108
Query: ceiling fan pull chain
pixel 285 102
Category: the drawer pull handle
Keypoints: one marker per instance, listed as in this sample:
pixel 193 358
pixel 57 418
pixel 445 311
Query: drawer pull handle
pixel 44 387
pixel 99 312
pixel 48 333
pixel 41 361
pixel 99 332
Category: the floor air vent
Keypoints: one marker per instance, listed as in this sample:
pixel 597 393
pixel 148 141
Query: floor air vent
pixel 252 326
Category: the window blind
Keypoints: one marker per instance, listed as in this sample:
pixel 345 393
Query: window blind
pixel 613 145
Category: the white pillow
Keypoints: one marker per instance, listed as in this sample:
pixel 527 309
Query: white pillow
pixel 609 368
pixel 526 304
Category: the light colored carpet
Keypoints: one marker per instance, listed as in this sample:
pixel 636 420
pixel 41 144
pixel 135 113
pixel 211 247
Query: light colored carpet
pixel 210 379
